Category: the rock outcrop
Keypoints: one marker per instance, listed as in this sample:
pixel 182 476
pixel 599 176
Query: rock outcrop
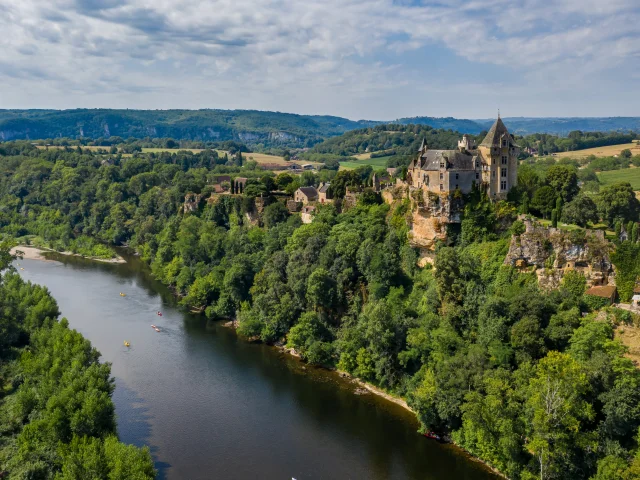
pixel 551 252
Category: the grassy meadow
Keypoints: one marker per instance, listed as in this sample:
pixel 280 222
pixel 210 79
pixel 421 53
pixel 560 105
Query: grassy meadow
pixel 374 162
pixel 631 175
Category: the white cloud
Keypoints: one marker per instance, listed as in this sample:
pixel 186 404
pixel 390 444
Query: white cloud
pixel 310 56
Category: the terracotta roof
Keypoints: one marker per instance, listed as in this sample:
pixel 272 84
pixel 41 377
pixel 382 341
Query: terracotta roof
pixel 495 133
pixel 607 291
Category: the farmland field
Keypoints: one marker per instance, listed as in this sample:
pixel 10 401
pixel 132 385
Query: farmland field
pixel 170 150
pixel 630 175
pixel 607 151
pixel 374 162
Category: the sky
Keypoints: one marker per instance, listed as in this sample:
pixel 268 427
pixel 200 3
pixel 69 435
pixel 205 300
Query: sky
pixel 362 59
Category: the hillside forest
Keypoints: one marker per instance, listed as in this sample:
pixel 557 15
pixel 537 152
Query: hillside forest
pixel 531 381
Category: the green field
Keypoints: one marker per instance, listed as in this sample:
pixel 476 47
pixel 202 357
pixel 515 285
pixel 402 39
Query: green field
pixel 630 175
pixel 374 162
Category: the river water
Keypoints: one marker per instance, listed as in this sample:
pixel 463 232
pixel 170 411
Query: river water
pixel 212 406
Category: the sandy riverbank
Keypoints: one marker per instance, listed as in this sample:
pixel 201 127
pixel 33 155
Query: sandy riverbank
pixel 35 253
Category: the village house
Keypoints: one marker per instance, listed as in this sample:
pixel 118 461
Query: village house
pixel 492 165
pixel 607 292
pixel 324 193
pixel 305 195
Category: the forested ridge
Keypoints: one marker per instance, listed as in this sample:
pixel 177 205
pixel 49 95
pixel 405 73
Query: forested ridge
pixel 57 419
pixel 403 141
pixel 530 381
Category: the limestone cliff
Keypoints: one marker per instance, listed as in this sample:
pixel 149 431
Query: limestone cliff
pixel 551 252
pixel 429 213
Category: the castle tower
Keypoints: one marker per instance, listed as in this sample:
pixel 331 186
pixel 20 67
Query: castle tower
pixel 500 153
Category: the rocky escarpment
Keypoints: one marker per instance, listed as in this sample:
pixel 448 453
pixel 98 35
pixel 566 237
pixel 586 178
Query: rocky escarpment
pixel 429 213
pixel 551 252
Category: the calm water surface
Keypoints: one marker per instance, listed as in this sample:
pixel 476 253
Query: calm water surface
pixel 212 406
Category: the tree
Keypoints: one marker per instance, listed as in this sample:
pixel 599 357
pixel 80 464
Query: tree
pixel 554 218
pixel 321 289
pixel 557 408
pixel 564 180
pixel 580 211
pixel 274 214
pixel 558 207
pixel 618 202
pixel 626 153
pixel 543 201
pixel 634 233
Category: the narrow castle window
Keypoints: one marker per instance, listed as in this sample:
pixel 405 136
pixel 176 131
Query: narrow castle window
pixel 441 187
pixel 477 176
pixel 441 176
pixel 504 159
pixel 503 173
pixel 441 164
pixel 503 185
pixel 457 176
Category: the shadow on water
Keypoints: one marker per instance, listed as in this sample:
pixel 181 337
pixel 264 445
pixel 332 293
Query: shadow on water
pixel 135 418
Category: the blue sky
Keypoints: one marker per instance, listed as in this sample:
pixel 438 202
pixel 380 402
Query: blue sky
pixel 374 59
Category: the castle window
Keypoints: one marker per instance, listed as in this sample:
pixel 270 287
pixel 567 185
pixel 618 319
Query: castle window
pixel 441 176
pixel 441 187
pixel 457 176
pixel 504 142
pixel 477 164
pixel 477 176
pixel 503 173
pixel 441 164
pixel 504 159
pixel 456 186
pixel 503 185
pixel 493 174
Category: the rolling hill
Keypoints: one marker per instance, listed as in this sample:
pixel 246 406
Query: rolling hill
pixel 257 128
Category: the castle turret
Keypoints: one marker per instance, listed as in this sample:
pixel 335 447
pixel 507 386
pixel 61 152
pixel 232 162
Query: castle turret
pixel 500 153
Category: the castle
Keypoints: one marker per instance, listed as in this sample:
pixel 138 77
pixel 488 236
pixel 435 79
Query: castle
pixel 492 166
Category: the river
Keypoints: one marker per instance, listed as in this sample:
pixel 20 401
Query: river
pixel 212 406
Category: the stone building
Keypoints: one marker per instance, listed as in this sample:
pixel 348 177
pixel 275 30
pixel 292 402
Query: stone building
pixel 324 194
pixel 305 195
pixel 492 165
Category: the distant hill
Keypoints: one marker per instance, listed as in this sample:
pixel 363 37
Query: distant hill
pixel 446 123
pixel 527 125
pixel 563 125
pixel 247 126
pixel 257 128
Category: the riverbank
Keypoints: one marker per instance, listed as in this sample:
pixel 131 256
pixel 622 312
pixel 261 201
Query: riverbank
pixel 364 388
pixel 35 253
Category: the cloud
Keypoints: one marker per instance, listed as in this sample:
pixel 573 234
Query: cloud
pixel 349 57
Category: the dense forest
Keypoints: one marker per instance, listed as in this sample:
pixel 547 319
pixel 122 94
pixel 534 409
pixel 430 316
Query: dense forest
pixel 247 126
pixel 57 419
pixel 531 381
pixel 259 129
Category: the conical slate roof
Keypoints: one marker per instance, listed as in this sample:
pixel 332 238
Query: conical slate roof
pixel 495 133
